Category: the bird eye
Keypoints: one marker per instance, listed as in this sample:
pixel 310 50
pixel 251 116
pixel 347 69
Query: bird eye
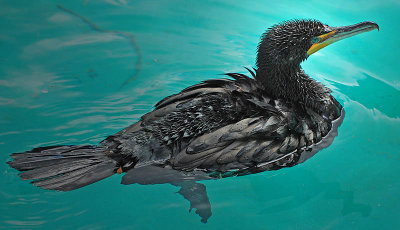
pixel 315 40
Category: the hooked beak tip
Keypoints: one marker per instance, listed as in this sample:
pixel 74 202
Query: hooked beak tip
pixel 373 24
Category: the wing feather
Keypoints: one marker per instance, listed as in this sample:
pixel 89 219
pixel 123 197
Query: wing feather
pixel 247 141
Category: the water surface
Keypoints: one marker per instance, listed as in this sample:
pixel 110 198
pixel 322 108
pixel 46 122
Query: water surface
pixel 63 82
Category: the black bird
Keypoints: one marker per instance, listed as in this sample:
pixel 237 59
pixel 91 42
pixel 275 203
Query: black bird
pixel 222 127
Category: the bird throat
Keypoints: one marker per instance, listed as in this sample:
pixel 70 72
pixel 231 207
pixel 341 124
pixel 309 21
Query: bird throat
pixel 289 82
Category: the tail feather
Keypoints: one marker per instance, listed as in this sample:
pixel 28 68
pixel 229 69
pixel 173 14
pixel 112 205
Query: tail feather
pixel 98 173
pixel 55 169
pixel 63 168
pixel 66 177
pixel 32 164
pixel 60 150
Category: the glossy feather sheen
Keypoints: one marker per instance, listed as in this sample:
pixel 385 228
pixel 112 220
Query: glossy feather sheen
pixel 222 125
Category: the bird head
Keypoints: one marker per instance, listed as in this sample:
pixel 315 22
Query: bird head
pixel 291 42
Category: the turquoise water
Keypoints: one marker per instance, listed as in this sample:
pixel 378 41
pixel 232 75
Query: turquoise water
pixel 64 82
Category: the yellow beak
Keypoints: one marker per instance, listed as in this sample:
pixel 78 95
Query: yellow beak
pixel 339 33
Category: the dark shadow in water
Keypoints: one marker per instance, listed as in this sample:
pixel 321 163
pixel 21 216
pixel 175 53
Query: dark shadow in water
pixel 373 94
pixel 126 35
pixel 195 193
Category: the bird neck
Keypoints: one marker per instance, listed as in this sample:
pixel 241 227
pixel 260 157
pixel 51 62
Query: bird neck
pixel 289 82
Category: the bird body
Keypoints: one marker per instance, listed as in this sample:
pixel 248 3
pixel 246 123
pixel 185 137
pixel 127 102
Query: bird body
pixel 221 125
pixel 276 118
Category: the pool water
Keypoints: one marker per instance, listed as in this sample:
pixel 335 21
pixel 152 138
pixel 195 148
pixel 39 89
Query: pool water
pixel 66 81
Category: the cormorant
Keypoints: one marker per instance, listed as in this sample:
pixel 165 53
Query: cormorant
pixel 215 129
